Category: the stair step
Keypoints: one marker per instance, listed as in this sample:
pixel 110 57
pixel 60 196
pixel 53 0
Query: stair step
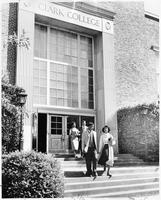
pixel 109 182
pixel 83 179
pixel 71 162
pixel 115 158
pixel 115 164
pixel 129 194
pixel 131 176
pixel 110 189
pixel 114 170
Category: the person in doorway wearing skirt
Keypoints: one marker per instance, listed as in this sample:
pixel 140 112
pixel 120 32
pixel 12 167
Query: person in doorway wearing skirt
pixel 74 135
pixel 106 155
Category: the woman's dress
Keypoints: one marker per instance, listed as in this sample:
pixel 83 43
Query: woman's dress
pixel 106 150
pixel 74 133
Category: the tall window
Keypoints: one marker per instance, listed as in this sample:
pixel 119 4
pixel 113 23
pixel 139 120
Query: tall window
pixel 63 68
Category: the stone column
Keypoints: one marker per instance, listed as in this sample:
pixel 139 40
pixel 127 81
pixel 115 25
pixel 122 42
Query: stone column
pixel 105 84
pixel 109 85
pixel 24 74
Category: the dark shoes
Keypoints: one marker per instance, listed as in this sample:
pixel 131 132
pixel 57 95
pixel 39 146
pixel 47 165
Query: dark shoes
pixel 110 175
pixel 95 174
pixel 90 174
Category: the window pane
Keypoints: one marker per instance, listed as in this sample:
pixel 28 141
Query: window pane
pixel 74 103
pixel 63 46
pixel 53 92
pixel 43 100
pixel 84 104
pixel 53 119
pixel 43 91
pixel 53 101
pixel 60 102
pixel 59 131
pixel 91 104
pixel 40 82
pixel 53 125
pixel 59 119
pixel 60 93
pixel 43 82
pixel 40 41
pixel 59 125
pixel 53 131
pixel 36 90
pixel 36 81
pixel 86 51
pixel 60 76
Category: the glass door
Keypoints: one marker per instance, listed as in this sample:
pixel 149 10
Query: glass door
pixel 56 134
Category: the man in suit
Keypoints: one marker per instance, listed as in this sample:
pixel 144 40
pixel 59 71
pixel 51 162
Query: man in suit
pixel 89 148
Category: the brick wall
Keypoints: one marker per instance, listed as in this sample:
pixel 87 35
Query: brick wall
pixel 134 60
pixel 9 26
pixel 136 78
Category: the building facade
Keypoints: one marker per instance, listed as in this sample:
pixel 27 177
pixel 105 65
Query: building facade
pixel 85 62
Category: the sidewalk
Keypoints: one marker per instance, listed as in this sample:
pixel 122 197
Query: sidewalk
pixel 139 197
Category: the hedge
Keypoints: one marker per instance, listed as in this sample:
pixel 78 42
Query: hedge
pixel 138 131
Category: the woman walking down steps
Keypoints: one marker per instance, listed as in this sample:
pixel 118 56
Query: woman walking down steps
pixel 106 154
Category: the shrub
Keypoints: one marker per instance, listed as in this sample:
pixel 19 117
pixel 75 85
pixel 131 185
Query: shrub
pixel 11 112
pixel 138 131
pixel 31 174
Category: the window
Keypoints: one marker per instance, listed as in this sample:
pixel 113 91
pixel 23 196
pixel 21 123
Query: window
pixel 40 82
pixel 56 125
pixel 63 68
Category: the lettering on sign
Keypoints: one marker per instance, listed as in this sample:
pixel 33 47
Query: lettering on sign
pixel 76 16
pixel 68 15
pixel 50 9
pixel 83 18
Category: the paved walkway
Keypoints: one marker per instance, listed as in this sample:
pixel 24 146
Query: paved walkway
pixel 144 197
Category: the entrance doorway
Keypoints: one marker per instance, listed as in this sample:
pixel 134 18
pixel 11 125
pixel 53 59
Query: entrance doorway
pixel 42 132
pixel 57 133
pixel 56 139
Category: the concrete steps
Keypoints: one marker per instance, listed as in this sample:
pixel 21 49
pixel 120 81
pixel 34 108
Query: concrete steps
pixel 111 190
pixel 130 193
pixel 136 178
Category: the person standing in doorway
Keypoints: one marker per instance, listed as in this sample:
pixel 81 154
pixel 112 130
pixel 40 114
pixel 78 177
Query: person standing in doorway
pixel 106 143
pixel 74 136
pixel 82 130
pixel 89 148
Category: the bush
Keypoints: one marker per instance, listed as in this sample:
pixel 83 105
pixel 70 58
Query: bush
pixel 11 112
pixel 31 174
pixel 138 131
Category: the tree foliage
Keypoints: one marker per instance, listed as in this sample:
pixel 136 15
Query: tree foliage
pixel 11 113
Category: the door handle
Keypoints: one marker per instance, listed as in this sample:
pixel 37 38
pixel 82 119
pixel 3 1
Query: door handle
pixel 63 137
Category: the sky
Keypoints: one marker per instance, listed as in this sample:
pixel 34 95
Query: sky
pixel 153 6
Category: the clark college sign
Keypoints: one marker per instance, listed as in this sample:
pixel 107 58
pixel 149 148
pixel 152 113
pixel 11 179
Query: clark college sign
pixel 68 15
